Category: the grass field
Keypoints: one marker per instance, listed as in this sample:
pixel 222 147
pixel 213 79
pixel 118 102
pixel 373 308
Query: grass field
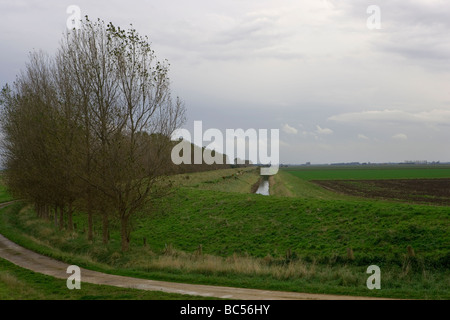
pixel 296 240
pixel 411 280
pixel 370 172
pixel 286 184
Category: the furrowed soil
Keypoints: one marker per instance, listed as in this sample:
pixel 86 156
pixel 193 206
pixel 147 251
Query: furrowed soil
pixel 423 191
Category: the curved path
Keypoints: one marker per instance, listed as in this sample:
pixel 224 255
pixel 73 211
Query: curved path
pixel 38 263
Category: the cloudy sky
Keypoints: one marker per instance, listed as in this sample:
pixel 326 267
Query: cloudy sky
pixel 338 89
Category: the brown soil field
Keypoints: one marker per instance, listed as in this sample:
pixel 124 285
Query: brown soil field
pixel 423 191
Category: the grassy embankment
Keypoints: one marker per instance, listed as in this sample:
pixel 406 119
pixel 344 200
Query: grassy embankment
pixel 297 243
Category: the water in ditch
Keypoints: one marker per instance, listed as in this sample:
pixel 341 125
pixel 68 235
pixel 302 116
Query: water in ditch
pixel 263 187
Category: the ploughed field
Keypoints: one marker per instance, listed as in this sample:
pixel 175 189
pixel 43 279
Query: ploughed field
pixel 429 184
pixel 432 191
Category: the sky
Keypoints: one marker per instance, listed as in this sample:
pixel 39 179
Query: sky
pixel 341 82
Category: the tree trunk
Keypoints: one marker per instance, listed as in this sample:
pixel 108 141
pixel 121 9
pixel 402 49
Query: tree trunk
pixel 56 217
pixel 46 212
pixel 37 209
pixel 69 218
pixel 61 217
pixel 105 226
pixel 124 233
pixel 42 211
pixel 90 220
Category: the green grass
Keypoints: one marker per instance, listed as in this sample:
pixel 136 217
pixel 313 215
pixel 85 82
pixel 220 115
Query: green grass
pixel 245 238
pixel 17 283
pixel 238 180
pixel 286 184
pixel 226 223
pixel 266 227
pixel 369 172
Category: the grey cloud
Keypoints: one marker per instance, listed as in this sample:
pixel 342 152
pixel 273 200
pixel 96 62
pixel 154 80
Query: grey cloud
pixel 400 12
pixel 400 137
pixel 288 129
pixel 264 63
pixel 433 52
pixel 253 28
pixel 248 36
pixel 324 131
pixel 434 117
pixel 417 30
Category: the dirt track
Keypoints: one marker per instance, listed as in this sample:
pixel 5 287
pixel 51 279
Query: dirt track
pixel 38 263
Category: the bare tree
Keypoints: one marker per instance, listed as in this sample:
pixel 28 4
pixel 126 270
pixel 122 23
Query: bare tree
pixel 99 117
pixel 145 108
pixel 128 99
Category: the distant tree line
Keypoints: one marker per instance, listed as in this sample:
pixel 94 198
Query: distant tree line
pixel 204 166
pixel 89 128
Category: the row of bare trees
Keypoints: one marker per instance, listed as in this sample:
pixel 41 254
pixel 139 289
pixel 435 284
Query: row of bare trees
pixel 89 128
